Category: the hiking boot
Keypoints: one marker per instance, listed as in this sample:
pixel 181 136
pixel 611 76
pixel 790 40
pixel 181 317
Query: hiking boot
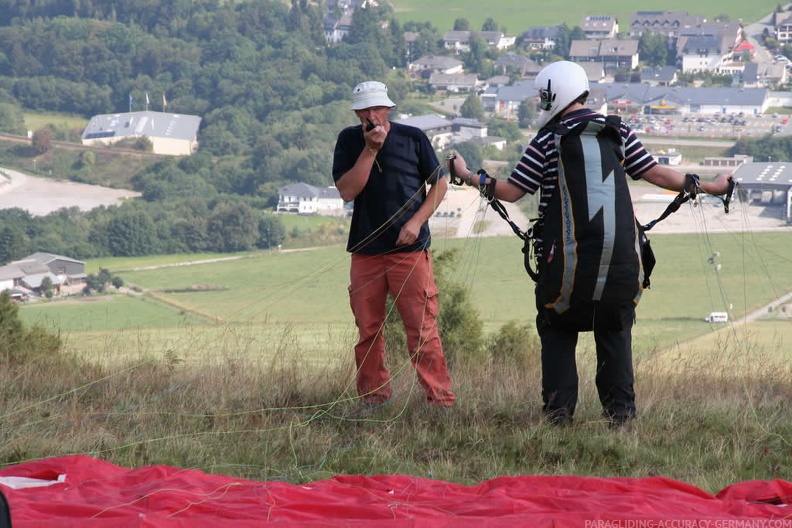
pixel 559 417
pixel 619 421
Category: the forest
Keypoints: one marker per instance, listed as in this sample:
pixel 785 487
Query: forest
pixel 271 92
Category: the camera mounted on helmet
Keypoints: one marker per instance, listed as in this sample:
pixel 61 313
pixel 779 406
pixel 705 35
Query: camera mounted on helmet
pixel 559 85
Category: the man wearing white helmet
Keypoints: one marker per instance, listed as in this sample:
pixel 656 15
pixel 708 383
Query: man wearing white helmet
pixel 563 88
pixel 386 168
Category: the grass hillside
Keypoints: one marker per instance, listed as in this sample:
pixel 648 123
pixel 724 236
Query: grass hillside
pixel 262 294
pixel 518 16
pixel 244 366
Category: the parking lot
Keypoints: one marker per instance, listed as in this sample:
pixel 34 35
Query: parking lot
pixel 710 126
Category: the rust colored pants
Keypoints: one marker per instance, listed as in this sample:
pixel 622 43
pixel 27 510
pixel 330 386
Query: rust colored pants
pixel 409 278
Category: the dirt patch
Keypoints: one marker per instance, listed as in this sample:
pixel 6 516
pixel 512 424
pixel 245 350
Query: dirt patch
pixel 41 196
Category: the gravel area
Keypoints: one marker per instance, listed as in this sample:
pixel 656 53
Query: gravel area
pixel 41 196
pixel 470 212
pixel 463 213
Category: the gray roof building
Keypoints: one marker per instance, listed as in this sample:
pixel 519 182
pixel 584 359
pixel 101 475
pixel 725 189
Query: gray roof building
pixel 664 22
pixel 661 76
pixel 59 264
pixel 683 100
pixel 172 134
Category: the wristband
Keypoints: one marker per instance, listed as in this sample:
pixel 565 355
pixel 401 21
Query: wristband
pixel 482 179
pixel 489 193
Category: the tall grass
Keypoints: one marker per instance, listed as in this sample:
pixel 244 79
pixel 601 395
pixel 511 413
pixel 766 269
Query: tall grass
pixel 277 416
pixel 275 399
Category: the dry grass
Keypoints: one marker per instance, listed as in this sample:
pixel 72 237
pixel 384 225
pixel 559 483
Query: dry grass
pixel 274 418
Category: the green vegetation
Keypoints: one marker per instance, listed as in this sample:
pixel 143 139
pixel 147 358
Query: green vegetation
pixel 516 18
pixel 36 120
pixel 267 291
pixel 226 404
pixel 251 375
pixel 244 366
pixel 272 95
pixel 112 312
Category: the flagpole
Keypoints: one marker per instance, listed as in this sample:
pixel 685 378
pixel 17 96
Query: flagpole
pixel 130 103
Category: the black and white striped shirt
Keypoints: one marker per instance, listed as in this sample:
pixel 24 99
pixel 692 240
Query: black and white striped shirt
pixel 538 166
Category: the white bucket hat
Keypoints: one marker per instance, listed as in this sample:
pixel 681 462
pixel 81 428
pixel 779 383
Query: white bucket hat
pixel 370 93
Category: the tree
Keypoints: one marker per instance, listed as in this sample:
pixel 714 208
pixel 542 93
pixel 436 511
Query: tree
pixel 41 140
pixel 475 58
pixel 232 227
pixel 272 232
pixel 427 43
pixel 93 284
pixel 461 24
pixel 131 233
pixel 46 287
pixel 505 129
pixel 17 343
pixel 11 330
pixel 526 113
pixel 472 108
pixel 12 120
pixel 13 243
pixel 489 25
pixel 653 48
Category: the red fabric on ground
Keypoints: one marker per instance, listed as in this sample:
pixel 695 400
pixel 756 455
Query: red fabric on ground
pixel 96 493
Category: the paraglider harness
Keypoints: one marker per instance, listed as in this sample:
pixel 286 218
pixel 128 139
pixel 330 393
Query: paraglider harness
pixel 690 191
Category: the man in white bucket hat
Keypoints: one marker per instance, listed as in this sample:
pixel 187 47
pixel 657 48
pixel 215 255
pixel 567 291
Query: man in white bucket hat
pixel 391 172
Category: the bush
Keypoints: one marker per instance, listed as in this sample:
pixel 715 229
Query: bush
pixel 461 329
pixel 514 345
pixel 18 344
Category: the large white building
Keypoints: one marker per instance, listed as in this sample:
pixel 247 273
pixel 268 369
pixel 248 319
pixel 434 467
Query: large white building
pixel 172 134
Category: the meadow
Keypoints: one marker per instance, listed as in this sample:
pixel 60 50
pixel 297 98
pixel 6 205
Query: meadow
pixel 262 294
pixel 244 367
pixel 517 16
pixel 36 120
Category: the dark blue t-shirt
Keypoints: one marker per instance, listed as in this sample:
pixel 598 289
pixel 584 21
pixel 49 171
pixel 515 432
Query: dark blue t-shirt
pixel 395 188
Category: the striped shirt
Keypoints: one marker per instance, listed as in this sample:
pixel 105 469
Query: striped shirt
pixel 538 166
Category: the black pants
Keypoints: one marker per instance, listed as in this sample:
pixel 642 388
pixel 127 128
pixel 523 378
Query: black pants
pixel 612 327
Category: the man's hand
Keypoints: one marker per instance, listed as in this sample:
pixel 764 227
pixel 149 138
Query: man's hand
pixel 375 137
pixel 409 233
pixel 720 185
pixel 460 168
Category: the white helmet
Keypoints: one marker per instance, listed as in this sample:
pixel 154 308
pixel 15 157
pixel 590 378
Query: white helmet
pixel 559 84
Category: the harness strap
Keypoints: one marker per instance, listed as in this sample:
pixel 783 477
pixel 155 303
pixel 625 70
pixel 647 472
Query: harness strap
pixel 691 190
pixel 488 192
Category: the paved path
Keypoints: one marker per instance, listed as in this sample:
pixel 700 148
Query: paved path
pixel 464 213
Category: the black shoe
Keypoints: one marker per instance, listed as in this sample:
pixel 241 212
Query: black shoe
pixel 559 417
pixel 619 421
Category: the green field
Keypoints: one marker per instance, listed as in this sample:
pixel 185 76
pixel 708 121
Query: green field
pixel 518 16
pixel 245 367
pixel 260 298
pixel 34 121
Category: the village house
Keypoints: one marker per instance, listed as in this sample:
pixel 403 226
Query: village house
pixel 453 82
pixel 25 277
pixel 427 65
pixel 459 41
pixel 302 198
pixel 600 27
